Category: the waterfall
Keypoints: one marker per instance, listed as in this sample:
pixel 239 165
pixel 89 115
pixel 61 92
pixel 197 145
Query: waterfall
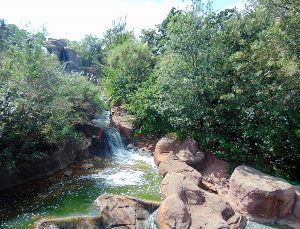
pixel 151 221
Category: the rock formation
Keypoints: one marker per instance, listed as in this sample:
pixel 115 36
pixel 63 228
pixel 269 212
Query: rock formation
pixel 188 206
pixel 261 196
pixel 67 56
pixel 120 120
pixel 125 212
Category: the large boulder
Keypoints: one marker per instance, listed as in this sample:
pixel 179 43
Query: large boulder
pixel 188 206
pixel 296 210
pixel 55 46
pixel 215 167
pixel 260 195
pixel 39 168
pixel 64 54
pixel 125 211
pixel 172 214
pixel 176 166
pixel 90 130
pixel 188 149
pixel 181 186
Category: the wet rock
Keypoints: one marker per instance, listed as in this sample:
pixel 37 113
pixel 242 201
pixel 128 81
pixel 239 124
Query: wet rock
pixel 130 146
pixel 173 165
pixel 260 195
pixel 125 211
pixel 69 223
pixel 90 130
pixel 121 121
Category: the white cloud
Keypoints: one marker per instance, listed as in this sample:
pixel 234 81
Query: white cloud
pixel 74 19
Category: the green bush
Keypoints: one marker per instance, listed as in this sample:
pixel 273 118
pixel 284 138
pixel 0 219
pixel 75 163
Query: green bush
pixel 39 103
pixel 231 81
pixel 128 66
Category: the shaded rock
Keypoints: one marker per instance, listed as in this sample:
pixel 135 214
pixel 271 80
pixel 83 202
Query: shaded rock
pixel 175 166
pixel 215 167
pixel 196 160
pixel 260 195
pixel 90 130
pixel 165 145
pixel 125 211
pixel 68 154
pixel 70 223
pixel 72 56
pixel 146 142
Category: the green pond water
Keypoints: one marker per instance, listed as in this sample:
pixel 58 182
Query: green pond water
pixel 120 171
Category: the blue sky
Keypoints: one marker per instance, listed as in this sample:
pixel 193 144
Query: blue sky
pixel 73 19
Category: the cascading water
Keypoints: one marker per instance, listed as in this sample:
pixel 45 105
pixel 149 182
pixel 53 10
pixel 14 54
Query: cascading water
pixel 115 169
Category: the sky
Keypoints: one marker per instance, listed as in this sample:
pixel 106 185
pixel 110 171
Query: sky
pixel 73 19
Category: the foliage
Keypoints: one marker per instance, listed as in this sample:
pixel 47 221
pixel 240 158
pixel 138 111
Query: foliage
pixel 39 104
pixel 128 66
pixel 230 80
pixel 90 51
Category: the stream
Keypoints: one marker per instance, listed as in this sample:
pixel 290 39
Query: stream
pixel 71 192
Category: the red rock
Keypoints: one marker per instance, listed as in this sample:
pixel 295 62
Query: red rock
pixel 173 214
pixel 213 166
pixel 176 166
pixel 121 121
pixel 165 145
pixel 129 212
pixel 296 210
pixel 260 195
pixel 185 200
pixel 179 185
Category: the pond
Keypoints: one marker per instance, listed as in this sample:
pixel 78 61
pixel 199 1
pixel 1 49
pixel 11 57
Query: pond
pixel 71 192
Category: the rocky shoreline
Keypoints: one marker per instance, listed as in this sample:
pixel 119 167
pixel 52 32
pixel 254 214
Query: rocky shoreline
pixel 66 155
pixel 197 191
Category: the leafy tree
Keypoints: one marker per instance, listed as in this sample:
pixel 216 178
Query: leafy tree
pixel 231 81
pixel 128 66
pixel 39 104
pixel 91 52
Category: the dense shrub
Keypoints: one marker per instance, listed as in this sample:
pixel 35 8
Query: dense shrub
pixel 39 103
pixel 128 66
pixel 230 80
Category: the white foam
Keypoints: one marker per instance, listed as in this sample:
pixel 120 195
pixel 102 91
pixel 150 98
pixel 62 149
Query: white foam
pixel 148 159
pixel 115 177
